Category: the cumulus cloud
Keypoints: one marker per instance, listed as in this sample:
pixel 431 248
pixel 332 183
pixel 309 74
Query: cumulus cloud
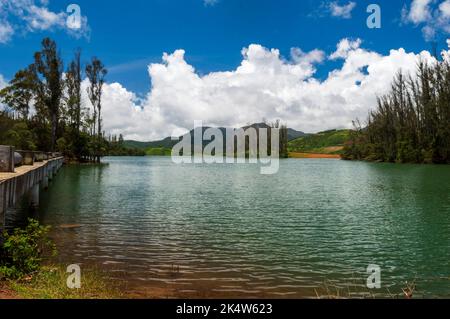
pixel 341 11
pixel 344 47
pixel 35 16
pixel 433 16
pixel 264 85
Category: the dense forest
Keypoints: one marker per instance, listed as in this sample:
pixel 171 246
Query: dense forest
pixel 411 123
pixel 42 108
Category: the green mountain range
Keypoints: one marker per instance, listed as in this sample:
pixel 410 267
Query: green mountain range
pixel 164 147
pixel 327 142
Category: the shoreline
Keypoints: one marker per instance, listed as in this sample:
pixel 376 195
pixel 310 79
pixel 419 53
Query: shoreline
pixel 313 156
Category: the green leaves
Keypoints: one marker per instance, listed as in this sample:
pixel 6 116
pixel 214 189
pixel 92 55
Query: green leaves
pixel 23 251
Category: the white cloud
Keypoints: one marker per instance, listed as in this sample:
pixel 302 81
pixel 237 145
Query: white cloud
pixel 3 82
pixel 342 11
pixel 6 32
pixel 419 11
pixel 265 85
pixel 40 18
pixel 432 15
pixel 344 47
pixel 34 16
pixel 444 7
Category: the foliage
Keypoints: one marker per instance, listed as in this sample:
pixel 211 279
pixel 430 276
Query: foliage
pixel 60 121
pixel 22 252
pixel 46 74
pixel 20 136
pixel 96 72
pixel 328 142
pixel 411 123
pixel 158 151
pixel 117 147
pixel 165 143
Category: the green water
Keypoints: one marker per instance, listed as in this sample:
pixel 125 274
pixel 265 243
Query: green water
pixel 226 230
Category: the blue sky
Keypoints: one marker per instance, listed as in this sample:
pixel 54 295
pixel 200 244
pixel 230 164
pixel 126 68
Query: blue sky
pixel 127 35
pixel 312 63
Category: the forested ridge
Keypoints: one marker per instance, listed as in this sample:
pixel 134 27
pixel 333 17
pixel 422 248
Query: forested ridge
pixel 411 123
pixel 42 108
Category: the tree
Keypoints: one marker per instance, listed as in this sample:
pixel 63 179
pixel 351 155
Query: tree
pixel 411 123
pixel 20 92
pixel 73 86
pixel 58 121
pixel 96 73
pixel 48 69
pixel 73 103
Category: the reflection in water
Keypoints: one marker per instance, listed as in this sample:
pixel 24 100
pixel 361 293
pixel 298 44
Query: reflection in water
pixel 227 230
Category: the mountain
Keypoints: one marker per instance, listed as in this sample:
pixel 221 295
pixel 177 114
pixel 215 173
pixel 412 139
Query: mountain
pixel 293 134
pixel 167 143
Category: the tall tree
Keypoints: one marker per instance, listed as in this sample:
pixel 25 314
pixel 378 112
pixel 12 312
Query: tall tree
pixel 96 73
pixel 73 86
pixel 412 122
pixel 48 70
pixel 73 103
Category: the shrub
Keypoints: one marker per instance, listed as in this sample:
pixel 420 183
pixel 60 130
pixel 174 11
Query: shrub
pixel 23 251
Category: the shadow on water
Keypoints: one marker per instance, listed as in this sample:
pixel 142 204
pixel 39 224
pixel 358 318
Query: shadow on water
pixel 62 191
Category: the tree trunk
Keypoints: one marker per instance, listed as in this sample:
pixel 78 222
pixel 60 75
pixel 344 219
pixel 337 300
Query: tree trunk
pixel 54 128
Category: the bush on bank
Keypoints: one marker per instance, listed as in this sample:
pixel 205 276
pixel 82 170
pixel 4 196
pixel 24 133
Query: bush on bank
pixel 23 250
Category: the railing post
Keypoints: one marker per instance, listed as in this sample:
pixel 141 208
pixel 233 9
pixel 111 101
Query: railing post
pixel 6 159
pixel 39 156
pixel 28 157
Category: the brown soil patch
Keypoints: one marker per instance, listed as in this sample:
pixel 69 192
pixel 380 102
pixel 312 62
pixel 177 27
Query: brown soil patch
pixel 5 293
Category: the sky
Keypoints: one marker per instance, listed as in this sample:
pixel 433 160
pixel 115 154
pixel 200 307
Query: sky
pixel 313 64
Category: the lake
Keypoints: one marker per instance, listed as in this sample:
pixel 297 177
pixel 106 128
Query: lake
pixel 227 231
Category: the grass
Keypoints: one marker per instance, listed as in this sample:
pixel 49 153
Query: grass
pixel 329 142
pixel 50 283
pixel 158 151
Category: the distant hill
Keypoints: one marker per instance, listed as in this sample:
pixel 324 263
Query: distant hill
pixel 164 146
pixel 328 142
pixel 293 134
pixel 165 143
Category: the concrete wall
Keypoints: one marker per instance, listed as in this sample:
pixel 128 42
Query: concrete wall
pixel 14 187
